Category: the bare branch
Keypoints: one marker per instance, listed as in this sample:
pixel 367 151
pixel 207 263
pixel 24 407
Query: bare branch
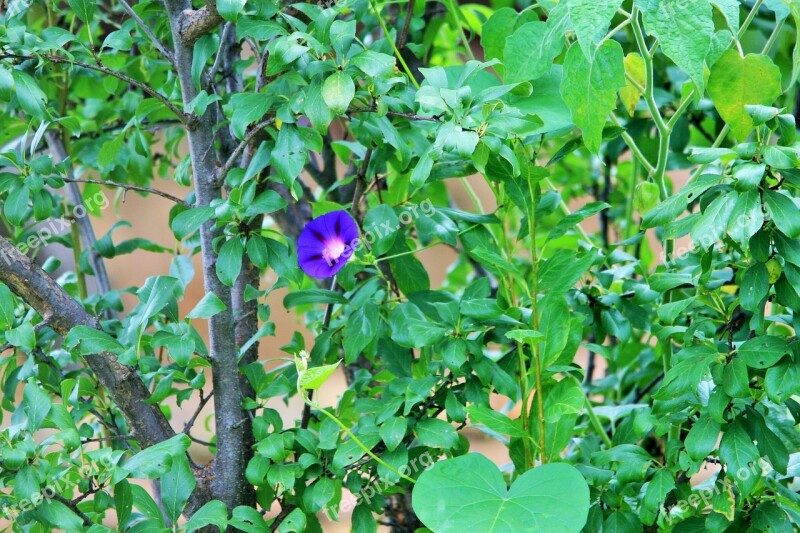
pixel 130 187
pixel 184 118
pixel 220 55
pixel 146 29
pixel 403 35
pixel 203 401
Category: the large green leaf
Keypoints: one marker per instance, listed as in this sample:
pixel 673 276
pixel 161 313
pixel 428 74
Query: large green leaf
pixel 740 457
pixel 589 88
pixel 84 9
pixel 684 31
pixel 176 487
pixel 528 53
pixel 230 9
pixel 338 91
pixel 783 212
pixel 711 226
pixel 737 81
pixel 469 493
pixel 30 96
pixel 590 19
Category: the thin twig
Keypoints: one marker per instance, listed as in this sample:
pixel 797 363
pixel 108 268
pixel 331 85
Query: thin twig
pixel 203 401
pixel 359 191
pixel 401 37
pixel 146 29
pixel 129 187
pixel 105 70
pixel 218 60
pixel 86 520
pixel 237 152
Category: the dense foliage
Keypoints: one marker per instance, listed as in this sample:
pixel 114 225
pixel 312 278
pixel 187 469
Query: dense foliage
pixel 680 308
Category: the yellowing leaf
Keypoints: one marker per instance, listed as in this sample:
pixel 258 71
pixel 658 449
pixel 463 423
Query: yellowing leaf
pixel 630 94
pixel 737 81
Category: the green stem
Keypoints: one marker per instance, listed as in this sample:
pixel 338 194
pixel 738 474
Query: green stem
pixel 397 53
pixel 535 350
pixel 76 254
pixel 452 8
pixel 358 442
pixel 598 427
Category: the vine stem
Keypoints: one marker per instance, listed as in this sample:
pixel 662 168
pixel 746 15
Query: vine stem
pixel 535 351
pixel 397 53
pixel 350 434
pixel 598 427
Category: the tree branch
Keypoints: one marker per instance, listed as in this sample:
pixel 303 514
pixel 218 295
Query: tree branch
pixel 237 152
pixel 62 313
pixel 130 187
pixel 146 29
pixel 229 483
pixel 184 118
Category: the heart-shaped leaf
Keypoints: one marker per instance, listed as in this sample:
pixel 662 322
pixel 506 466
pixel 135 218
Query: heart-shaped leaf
pixel 469 493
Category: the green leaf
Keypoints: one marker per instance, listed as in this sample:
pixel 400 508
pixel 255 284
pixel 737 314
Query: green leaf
pixel 662 483
pixel 711 226
pixel 740 456
pixel 229 261
pixel 746 217
pixel 59 515
pixel 529 52
pixel 338 91
pixel 176 487
pixel 436 433
pixel 590 19
pixel 213 513
pixel 589 88
pixel 554 315
pixel 7 306
pixel 16 205
pixel 755 286
pixel 313 296
pixel 316 376
pixel 782 381
pixel 373 64
pixel 381 227
pixel 737 81
pixel 495 31
pixel 209 306
pixel 190 220
pixel 360 330
pixel 497 422
pixel 469 493
pixel 89 340
pixel 84 9
pixel 702 438
pixel 576 217
pixel 763 351
pixel 289 155
pixel 563 269
pixel 783 212
pixel 36 404
pixel 155 461
pixel 735 381
pixel 30 97
pixel 230 9
pixel 393 431
pixel 684 31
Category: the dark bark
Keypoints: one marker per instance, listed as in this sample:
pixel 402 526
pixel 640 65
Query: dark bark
pixel 229 483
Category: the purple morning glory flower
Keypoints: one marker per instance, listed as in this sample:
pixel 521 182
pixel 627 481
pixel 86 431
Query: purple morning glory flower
pixel 326 244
